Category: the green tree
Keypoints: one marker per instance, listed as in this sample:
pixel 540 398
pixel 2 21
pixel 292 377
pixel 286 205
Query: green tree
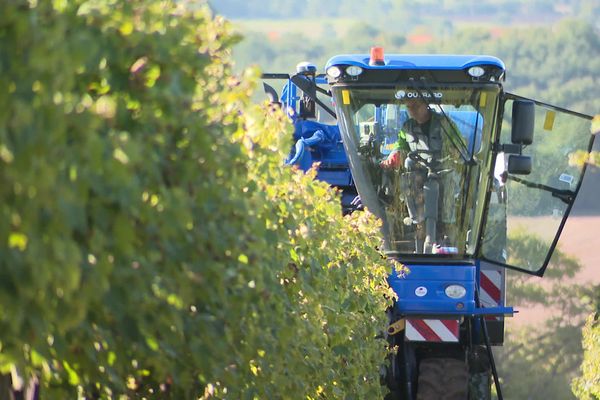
pixel 484 10
pixel 535 57
pixel 151 243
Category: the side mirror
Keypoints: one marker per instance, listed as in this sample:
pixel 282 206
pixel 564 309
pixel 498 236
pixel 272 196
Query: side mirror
pixel 519 165
pixel 523 122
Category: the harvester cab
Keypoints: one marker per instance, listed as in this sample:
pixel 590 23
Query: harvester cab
pixel 459 172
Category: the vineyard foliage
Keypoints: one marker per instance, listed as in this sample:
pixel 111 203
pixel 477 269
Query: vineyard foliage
pixel 151 240
pixel 587 386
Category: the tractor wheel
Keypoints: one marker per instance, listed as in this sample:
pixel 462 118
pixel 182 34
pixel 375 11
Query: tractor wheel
pixel 443 379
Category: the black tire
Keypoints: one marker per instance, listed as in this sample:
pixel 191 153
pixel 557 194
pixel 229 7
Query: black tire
pixel 443 379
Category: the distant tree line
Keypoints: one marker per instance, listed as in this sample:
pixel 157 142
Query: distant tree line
pixel 559 64
pixel 509 9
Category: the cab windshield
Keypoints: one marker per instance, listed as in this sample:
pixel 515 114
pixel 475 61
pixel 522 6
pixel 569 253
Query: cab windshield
pixel 420 159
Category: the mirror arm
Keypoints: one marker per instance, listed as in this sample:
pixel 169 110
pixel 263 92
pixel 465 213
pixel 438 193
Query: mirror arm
pixel 567 196
pixel 508 148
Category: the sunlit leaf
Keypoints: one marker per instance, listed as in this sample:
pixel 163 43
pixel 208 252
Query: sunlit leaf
pixel 17 241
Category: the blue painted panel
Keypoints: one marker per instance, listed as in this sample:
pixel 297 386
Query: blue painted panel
pixel 335 177
pixel 421 291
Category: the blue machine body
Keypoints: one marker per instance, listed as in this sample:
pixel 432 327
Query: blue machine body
pixel 421 292
pixel 450 297
pixel 317 142
pixel 418 61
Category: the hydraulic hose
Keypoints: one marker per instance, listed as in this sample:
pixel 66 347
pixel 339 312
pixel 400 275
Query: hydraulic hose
pixel 302 143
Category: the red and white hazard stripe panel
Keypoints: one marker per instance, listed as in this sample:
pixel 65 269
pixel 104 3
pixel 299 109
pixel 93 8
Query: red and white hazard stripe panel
pixel 432 330
pixel 490 289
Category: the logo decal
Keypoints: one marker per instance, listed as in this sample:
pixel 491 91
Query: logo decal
pixel 401 94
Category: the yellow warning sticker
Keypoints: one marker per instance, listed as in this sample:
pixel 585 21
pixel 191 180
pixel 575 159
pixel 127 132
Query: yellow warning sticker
pixel 346 97
pixel 483 99
pixel 549 121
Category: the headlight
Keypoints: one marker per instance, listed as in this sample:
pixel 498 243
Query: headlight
pixel 354 70
pixel 476 72
pixel 334 72
pixel 455 291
